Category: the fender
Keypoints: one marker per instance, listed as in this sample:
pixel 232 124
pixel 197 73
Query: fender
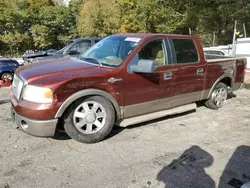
pixel 87 92
pixel 218 81
pixel 6 70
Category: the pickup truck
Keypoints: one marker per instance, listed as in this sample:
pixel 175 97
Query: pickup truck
pixel 122 80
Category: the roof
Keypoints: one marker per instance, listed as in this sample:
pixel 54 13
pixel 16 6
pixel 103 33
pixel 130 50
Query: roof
pixel 6 59
pixel 150 35
pixel 86 38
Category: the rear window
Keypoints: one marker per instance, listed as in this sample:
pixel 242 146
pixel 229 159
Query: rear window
pixel 185 51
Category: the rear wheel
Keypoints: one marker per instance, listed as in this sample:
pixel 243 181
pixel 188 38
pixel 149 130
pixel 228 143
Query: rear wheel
pixel 218 97
pixel 90 120
pixel 7 75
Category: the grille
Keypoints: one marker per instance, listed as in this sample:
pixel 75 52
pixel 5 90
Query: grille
pixel 17 86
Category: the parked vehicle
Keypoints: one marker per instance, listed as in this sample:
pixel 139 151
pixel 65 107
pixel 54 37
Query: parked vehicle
pixel 214 51
pixel 73 49
pixel 122 80
pixel 8 68
pixel 29 56
pixel 242 49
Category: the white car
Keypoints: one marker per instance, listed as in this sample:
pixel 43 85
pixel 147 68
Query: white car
pixel 214 51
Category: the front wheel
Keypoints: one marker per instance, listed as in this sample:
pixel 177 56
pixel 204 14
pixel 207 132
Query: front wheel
pixel 218 97
pixel 90 120
pixel 8 76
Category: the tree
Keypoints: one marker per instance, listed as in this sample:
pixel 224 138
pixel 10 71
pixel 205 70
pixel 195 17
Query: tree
pixel 41 23
pixel 98 18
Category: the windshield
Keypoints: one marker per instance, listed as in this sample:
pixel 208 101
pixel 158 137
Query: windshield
pixel 111 51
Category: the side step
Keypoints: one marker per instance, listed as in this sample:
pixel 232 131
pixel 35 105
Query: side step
pixel 156 115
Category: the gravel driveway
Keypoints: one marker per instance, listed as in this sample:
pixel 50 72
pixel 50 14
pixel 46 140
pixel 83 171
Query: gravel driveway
pixel 205 148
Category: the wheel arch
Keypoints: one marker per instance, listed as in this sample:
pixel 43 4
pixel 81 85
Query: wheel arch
pixel 6 71
pixel 85 93
pixel 226 79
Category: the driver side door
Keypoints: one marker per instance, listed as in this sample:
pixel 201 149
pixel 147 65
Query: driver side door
pixel 149 92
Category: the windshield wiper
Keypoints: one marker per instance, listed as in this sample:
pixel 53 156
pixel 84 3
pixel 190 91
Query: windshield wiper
pixel 91 58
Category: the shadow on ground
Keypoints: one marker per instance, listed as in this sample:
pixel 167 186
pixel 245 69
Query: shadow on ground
pixel 62 135
pixel 237 170
pixel 4 101
pixel 160 119
pixel 188 171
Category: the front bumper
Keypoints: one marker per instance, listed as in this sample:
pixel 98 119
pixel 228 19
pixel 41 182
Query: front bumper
pixel 39 128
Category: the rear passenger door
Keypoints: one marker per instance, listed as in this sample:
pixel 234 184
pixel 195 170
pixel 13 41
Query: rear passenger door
pixel 189 71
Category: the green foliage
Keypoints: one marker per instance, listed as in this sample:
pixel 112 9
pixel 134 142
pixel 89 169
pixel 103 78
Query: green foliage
pixel 98 18
pixel 33 24
pixel 38 24
pixel 201 17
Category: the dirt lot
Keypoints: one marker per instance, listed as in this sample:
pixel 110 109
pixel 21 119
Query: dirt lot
pixel 199 149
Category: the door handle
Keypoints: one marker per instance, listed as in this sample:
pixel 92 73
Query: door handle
pixel 200 72
pixel 167 76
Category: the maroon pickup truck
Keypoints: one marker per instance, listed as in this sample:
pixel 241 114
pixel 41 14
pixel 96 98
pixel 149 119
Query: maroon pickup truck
pixel 122 80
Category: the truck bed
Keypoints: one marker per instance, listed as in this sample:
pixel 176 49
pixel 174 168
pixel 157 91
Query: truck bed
pixel 216 58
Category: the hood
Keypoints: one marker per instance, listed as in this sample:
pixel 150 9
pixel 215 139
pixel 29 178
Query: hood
pixel 60 68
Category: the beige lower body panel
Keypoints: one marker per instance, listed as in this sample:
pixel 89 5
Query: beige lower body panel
pixel 156 115
pixel 142 112
pixel 162 104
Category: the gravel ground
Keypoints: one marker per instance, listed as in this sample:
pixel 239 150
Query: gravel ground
pixel 205 148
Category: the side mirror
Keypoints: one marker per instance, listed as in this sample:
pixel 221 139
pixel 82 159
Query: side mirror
pixel 73 52
pixel 144 66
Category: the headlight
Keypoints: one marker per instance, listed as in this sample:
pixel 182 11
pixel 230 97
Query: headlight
pixel 38 94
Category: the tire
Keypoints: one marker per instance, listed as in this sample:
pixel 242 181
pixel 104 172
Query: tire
pixel 7 75
pixel 218 97
pixel 89 120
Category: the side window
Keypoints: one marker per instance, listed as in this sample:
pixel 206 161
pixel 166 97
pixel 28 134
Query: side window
pixel 84 46
pixel 152 51
pixel 13 63
pixel 216 53
pixel 185 51
pixel 74 47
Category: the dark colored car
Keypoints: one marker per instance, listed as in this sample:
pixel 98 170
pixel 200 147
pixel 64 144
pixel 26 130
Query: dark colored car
pixel 122 80
pixel 8 68
pixel 73 50
pixel 29 56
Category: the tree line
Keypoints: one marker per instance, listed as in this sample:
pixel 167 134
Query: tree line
pixel 32 24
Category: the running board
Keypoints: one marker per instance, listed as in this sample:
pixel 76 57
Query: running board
pixel 156 115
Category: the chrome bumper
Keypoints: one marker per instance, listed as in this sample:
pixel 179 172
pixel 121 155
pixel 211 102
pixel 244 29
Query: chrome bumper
pixel 35 127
